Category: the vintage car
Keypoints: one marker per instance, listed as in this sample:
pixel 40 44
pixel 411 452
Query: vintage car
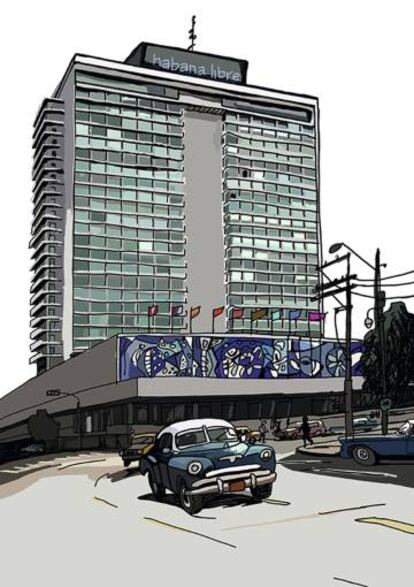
pixel 316 428
pixel 246 434
pixel 367 423
pixel 140 445
pixel 198 459
pixel 367 450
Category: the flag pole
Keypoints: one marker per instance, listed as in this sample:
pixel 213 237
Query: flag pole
pixel 149 320
pixel 212 323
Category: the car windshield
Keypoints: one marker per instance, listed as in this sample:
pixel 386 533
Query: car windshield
pixel 404 428
pixel 191 438
pixel 222 434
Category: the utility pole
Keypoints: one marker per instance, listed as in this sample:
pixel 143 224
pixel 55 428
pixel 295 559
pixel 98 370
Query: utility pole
pixel 326 290
pixel 379 303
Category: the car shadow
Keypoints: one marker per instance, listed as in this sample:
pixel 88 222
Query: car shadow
pixel 224 501
pixel 123 474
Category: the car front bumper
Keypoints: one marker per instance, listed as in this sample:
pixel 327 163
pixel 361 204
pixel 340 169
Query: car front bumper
pixel 224 484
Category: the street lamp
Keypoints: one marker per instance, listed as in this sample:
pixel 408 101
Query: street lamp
pixel 368 322
pixel 379 303
pixel 58 393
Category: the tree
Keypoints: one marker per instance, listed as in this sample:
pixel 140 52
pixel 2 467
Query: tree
pixel 43 428
pixel 399 346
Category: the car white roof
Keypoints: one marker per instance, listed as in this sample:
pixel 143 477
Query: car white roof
pixel 192 424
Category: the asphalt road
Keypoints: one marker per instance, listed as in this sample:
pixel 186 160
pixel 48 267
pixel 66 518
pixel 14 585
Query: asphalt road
pixel 396 472
pixel 84 520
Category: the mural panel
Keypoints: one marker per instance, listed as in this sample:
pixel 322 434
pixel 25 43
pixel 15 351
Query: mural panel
pixel 232 357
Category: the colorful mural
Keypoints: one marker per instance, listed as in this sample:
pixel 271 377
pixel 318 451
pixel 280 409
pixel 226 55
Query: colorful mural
pixel 232 357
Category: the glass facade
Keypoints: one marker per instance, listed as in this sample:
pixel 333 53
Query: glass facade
pixel 129 244
pixel 271 220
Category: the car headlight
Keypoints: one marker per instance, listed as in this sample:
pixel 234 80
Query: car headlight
pixel 194 468
pixel 266 454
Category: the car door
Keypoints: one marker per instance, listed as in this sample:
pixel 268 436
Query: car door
pixel 164 453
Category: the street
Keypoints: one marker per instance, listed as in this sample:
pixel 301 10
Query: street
pixel 83 519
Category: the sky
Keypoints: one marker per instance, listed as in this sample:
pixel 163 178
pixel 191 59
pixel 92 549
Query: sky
pixel 356 56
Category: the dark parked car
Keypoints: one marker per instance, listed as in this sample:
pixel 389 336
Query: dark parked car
pixel 367 450
pixel 140 445
pixel 197 459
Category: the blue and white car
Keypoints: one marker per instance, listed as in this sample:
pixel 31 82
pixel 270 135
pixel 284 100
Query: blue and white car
pixel 197 459
pixel 367 450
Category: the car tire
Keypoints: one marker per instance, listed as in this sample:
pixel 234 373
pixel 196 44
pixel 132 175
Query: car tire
pixel 252 440
pixel 191 504
pixel 363 455
pixel 158 491
pixel 126 463
pixel 263 492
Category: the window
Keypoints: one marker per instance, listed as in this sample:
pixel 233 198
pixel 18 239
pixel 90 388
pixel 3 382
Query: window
pixel 165 441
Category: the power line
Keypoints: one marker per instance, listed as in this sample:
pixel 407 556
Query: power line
pixel 386 284
pixel 388 298
pixel 391 276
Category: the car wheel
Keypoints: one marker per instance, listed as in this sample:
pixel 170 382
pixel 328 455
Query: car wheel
pixel 263 492
pixel 192 504
pixel 158 491
pixel 364 455
pixel 252 440
pixel 127 463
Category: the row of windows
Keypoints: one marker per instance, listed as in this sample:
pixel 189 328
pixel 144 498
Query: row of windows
pixel 117 231
pixel 127 159
pixel 116 98
pixel 149 149
pixel 246 276
pixel 237 142
pixel 274 155
pixel 96 204
pixel 266 132
pixel 244 230
pixel 281 178
pixel 269 123
pixel 134 182
pixel 272 245
pixel 119 295
pixel 128 194
pixel 252 301
pixel 133 307
pixel 278 326
pixel 250 287
pixel 126 207
pixel 129 135
pixel 272 211
pixel 158 123
pixel 242 172
pixel 163 174
pixel 287 269
pixel 121 320
pixel 248 164
pixel 255 219
pixel 246 253
pixel 116 255
pixel 130 220
pixel 123 281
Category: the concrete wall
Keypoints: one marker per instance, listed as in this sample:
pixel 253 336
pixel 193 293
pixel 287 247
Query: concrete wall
pixel 93 369
pixel 204 216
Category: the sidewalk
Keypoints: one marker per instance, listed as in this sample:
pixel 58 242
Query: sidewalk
pixel 330 448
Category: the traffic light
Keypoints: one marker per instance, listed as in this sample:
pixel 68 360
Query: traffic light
pixel 381 299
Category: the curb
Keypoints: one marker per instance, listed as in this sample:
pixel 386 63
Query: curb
pixel 330 450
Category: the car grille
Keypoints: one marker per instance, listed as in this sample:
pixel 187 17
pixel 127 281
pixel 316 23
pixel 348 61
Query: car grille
pixel 226 470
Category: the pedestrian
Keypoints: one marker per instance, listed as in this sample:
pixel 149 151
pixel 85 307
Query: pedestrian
pixel 276 429
pixel 305 429
pixel 262 431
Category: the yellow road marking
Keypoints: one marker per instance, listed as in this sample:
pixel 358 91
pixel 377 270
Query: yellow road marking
pixel 174 527
pixel 388 523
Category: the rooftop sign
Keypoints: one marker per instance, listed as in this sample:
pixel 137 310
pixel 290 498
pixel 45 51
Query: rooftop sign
pixel 193 63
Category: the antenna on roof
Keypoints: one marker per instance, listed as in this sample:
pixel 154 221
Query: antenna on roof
pixel 191 34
